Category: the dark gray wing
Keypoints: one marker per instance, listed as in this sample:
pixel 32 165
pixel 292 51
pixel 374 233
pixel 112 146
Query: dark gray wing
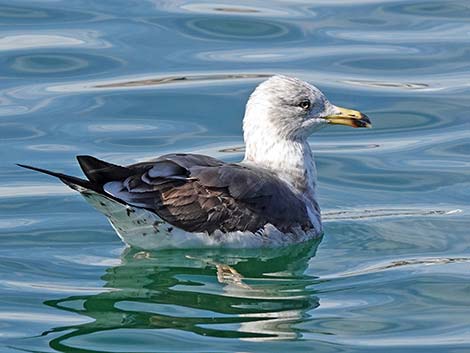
pixel 202 194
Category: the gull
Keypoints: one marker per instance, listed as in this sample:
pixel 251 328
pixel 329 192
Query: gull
pixel 190 200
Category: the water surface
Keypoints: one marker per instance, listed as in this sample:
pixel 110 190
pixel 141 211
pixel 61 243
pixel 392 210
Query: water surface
pixel 129 80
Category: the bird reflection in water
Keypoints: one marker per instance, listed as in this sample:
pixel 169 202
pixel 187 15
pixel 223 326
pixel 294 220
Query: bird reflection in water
pixel 256 294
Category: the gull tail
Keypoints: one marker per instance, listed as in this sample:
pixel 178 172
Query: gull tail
pixel 69 180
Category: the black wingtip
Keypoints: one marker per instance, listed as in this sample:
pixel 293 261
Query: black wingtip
pixel 67 179
pixel 40 170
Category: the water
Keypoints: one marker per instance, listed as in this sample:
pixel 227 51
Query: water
pixel 127 80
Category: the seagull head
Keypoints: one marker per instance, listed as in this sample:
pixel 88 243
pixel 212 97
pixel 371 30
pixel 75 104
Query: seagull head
pixel 293 109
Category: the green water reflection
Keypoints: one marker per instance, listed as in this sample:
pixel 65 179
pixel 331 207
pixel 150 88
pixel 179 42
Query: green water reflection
pixel 251 294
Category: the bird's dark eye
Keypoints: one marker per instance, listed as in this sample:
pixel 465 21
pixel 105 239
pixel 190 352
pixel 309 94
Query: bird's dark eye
pixel 305 104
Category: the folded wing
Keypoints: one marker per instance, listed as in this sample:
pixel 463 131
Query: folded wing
pixel 202 194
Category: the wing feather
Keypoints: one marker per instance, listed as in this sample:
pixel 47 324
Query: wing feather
pixel 202 194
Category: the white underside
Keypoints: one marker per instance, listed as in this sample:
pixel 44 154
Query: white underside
pixel 143 229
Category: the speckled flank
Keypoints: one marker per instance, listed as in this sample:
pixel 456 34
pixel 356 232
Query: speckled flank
pixel 140 228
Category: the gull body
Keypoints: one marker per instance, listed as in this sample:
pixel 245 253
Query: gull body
pixel 190 200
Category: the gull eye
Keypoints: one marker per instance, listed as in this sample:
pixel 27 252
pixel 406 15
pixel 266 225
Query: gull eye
pixel 305 104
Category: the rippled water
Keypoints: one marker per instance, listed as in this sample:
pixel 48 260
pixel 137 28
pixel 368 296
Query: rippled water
pixel 128 80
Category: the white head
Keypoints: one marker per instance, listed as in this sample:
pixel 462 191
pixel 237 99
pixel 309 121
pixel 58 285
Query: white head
pixel 280 115
pixel 287 108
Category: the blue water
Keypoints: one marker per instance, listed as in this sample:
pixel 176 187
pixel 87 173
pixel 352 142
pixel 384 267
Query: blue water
pixel 129 80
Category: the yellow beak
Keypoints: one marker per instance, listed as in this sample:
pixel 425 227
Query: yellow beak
pixel 349 117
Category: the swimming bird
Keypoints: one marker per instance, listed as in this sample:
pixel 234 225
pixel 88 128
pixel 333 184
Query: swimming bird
pixel 192 200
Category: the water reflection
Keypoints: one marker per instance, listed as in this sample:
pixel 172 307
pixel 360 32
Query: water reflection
pixel 34 15
pixel 49 64
pixel 251 294
pixel 386 84
pixel 177 79
pixel 49 39
pixel 450 10
pixel 237 29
